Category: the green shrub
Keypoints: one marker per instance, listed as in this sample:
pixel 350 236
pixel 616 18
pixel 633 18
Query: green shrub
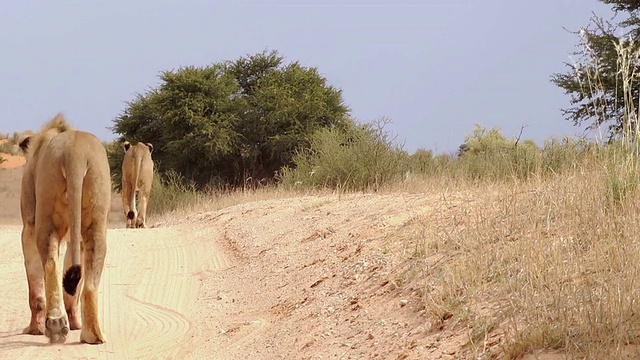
pixel 488 155
pixel 170 192
pixel 358 157
pixel 422 162
pixel 8 147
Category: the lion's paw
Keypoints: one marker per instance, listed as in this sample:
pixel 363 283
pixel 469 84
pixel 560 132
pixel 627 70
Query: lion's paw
pixel 91 337
pixel 57 329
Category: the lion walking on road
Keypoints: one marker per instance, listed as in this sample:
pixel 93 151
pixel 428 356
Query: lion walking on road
pixel 66 189
pixel 137 177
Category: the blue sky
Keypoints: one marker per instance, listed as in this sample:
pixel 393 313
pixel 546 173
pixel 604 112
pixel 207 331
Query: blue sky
pixel 434 67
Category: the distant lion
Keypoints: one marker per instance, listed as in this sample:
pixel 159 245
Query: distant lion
pixel 137 177
pixel 66 188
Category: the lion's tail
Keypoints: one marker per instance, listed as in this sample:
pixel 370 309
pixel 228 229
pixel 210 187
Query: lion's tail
pixel 137 165
pixel 75 179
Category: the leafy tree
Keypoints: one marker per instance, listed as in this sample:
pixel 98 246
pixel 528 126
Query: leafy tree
pixel 231 121
pixel 600 82
pixel 284 106
pixel 199 122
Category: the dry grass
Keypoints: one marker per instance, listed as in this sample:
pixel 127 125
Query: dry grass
pixel 549 263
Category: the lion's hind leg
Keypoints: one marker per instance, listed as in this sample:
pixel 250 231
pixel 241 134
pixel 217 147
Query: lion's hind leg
pixel 35 279
pixel 141 222
pixel 57 323
pixel 94 255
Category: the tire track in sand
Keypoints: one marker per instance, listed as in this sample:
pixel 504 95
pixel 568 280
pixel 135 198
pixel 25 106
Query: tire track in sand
pixel 158 290
pixel 147 295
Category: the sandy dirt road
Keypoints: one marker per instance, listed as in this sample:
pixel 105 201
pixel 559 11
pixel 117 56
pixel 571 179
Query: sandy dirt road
pixel 148 297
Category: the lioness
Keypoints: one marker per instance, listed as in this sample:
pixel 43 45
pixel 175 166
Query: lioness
pixel 66 187
pixel 137 176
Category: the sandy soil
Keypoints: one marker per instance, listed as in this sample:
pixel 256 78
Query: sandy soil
pixel 302 278
pixel 11 161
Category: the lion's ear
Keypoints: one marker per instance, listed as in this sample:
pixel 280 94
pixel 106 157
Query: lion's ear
pixel 127 145
pixel 24 143
pixel 150 147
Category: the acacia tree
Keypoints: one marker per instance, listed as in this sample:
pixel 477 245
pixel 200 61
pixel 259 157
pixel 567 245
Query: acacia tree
pixel 601 81
pixel 284 106
pixel 233 120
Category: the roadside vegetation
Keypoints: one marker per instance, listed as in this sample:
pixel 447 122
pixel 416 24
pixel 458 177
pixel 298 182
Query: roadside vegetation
pixel 8 145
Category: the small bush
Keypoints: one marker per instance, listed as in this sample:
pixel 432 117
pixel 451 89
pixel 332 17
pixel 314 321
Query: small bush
pixel 422 162
pixel 8 147
pixel 489 156
pixel 170 192
pixel 356 158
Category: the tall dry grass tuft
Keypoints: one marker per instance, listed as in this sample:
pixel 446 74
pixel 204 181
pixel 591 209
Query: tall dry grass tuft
pixel 622 165
pixel 627 63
